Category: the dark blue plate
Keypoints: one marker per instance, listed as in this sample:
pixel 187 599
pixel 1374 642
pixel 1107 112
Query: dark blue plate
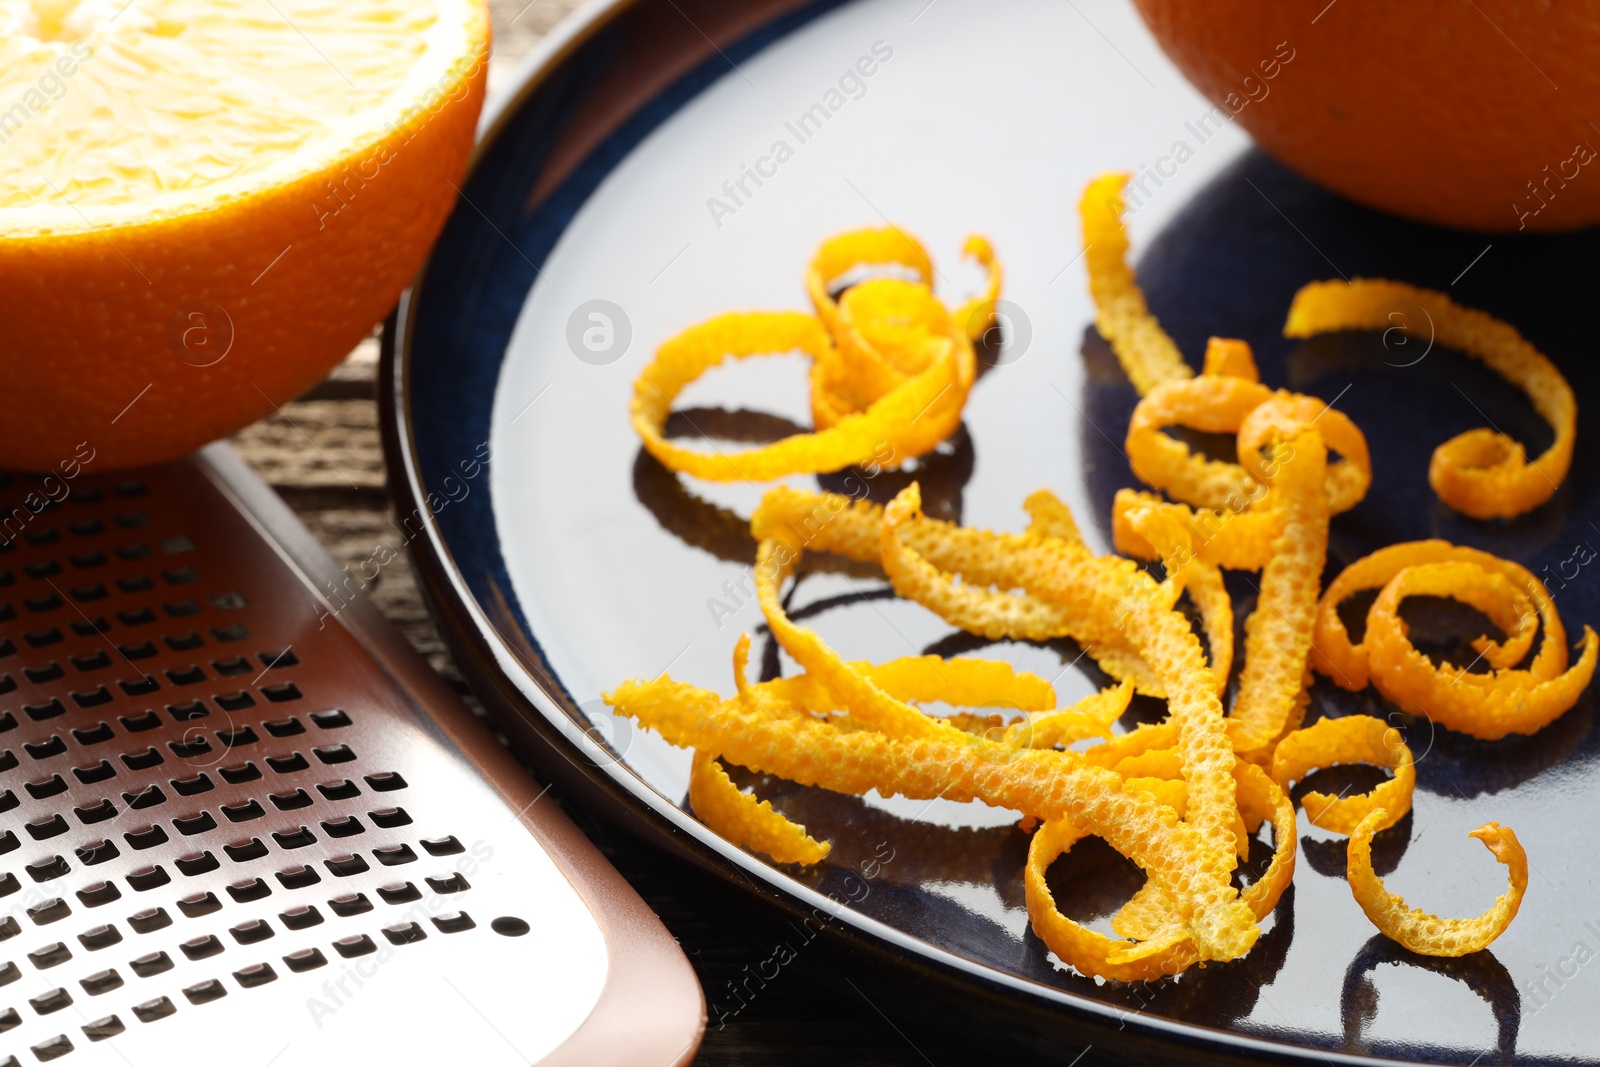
pixel 613 203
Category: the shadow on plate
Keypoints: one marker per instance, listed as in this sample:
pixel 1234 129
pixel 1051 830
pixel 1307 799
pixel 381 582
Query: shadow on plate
pixel 1480 972
pixel 725 533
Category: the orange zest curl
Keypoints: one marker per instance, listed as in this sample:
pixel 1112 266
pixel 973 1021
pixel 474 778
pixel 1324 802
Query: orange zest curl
pixel 1229 358
pixel 1490 705
pixel 1201 579
pixel 1481 473
pixel 948 763
pixel 1233 405
pixel 1416 929
pixel 1350 739
pixel 830 522
pixel 891 365
pixel 1164 950
pixel 1209 404
pixel 746 821
pixel 1233 540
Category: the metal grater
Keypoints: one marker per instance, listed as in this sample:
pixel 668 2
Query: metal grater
pixel 241 822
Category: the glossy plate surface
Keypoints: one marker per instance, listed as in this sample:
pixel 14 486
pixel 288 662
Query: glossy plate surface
pixel 571 560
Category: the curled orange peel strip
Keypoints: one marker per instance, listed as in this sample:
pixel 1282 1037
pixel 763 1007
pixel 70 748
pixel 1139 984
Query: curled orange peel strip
pixel 1212 404
pixel 1147 915
pixel 866 701
pixel 886 329
pixel 1346 663
pixel 891 365
pixel 890 333
pixel 1151 763
pixel 1049 516
pixel 962 680
pixel 855 438
pixel 870 251
pixel 1350 739
pixel 878 696
pixel 1223 404
pixel 1219 925
pixel 1284 414
pixel 1140 741
pixel 1416 929
pixel 1090 717
pixel 754 824
pixel 976 314
pixel 1488 706
pixel 1121 315
pixel 1481 473
pixel 744 819
pixel 1167 950
pixel 1507 699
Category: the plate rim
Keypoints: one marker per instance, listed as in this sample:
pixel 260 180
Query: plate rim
pixel 473 640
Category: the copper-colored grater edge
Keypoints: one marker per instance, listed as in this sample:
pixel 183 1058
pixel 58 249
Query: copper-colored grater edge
pixel 242 822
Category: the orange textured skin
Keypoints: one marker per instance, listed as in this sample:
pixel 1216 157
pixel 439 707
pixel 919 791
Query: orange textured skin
pixel 82 333
pixel 1421 931
pixel 1474 100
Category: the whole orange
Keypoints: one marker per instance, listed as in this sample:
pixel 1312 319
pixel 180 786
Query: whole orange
pixel 205 204
pixel 1477 114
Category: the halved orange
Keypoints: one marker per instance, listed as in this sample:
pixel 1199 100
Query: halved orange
pixel 205 204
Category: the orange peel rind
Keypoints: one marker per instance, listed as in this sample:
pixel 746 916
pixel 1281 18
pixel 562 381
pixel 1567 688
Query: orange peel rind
pixel 1487 706
pixel 1049 516
pixel 977 314
pixel 891 365
pixel 1278 633
pixel 1092 591
pixel 745 820
pixel 1283 415
pixel 1226 404
pixel 1346 663
pixel 1090 717
pixel 1507 699
pixel 1416 929
pixel 1042 783
pixel 1229 358
pixel 891 369
pixel 1350 739
pixel 880 250
pixel 1233 540
pixel 831 522
pixel 1481 473
pixel 1202 580
pixel 1120 313
pixel 1166 950
pixel 1211 404
pixel 853 439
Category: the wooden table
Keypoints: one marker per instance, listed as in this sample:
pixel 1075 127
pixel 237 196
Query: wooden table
pixel 323 456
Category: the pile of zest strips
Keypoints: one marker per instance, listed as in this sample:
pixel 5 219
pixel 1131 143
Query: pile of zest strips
pixel 891 368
